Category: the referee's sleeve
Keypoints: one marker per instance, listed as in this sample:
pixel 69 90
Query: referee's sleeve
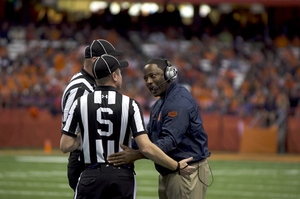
pixel 74 94
pixel 71 123
pixel 137 120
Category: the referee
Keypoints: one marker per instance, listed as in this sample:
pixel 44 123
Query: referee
pixel 107 118
pixel 81 84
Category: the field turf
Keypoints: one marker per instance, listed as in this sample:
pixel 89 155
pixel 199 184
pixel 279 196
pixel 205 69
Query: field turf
pixel 35 175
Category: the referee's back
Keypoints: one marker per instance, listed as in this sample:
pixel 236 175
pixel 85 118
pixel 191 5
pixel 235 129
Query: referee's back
pixel 106 118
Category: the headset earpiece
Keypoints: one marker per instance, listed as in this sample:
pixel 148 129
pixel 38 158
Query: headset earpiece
pixel 170 71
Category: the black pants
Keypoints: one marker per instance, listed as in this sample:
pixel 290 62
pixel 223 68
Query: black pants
pixel 75 167
pixel 106 181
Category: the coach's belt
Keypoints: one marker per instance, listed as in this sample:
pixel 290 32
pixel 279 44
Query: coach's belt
pixel 108 166
pixel 196 162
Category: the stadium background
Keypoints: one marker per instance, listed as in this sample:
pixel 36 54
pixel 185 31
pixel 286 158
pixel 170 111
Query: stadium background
pixel 240 61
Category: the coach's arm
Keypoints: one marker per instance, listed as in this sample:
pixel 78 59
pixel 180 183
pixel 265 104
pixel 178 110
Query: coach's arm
pixel 69 143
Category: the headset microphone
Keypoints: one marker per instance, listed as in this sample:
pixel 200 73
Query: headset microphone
pixel 155 88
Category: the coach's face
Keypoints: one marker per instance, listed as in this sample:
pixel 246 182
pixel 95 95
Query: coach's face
pixel 155 80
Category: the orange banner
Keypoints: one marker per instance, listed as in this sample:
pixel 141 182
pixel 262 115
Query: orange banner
pixel 259 140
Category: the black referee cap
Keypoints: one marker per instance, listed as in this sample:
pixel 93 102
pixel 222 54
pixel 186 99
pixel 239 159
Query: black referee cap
pixel 106 64
pixel 100 47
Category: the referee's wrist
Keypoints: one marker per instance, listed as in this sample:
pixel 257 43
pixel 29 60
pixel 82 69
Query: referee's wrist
pixel 178 167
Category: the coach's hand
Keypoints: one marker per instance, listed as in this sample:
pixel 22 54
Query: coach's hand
pixel 127 156
pixel 185 169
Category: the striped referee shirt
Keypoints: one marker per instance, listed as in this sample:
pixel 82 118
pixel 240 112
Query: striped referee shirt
pixel 81 83
pixel 106 118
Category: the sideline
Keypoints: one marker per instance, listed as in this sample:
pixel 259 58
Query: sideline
pixel 265 157
pixel 215 155
pixel 30 151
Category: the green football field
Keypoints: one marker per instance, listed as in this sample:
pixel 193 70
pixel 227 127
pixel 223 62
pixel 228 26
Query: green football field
pixel 44 177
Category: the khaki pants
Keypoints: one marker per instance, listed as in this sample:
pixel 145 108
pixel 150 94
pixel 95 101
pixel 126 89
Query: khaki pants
pixel 175 186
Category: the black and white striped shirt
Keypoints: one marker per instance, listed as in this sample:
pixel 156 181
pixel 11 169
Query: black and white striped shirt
pixel 106 118
pixel 82 83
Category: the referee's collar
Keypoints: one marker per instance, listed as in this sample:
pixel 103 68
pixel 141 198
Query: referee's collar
pixel 105 88
pixel 88 75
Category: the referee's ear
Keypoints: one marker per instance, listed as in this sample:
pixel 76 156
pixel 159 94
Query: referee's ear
pixel 114 76
pixel 94 58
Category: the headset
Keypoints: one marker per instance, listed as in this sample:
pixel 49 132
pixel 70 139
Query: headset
pixel 170 72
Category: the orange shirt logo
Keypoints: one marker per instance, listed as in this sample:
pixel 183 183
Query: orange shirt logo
pixel 172 114
pixel 158 117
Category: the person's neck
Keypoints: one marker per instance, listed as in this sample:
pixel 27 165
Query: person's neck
pixel 163 95
pixel 107 84
pixel 89 70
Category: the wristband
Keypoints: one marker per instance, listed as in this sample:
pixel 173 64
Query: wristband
pixel 178 167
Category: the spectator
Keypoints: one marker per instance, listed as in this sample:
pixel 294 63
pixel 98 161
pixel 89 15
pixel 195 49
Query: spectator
pixel 232 74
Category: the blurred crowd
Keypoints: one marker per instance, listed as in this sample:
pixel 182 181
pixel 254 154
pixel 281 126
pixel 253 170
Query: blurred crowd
pixel 225 73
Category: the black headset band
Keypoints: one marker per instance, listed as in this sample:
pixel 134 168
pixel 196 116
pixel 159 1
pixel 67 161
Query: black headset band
pixel 168 63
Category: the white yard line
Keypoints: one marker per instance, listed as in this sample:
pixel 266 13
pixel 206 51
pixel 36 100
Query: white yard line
pixel 260 172
pixel 147 173
pixel 146 189
pixel 253 194
pixel 270 182
pixel 26 174
pixel 258 187
pixel 43 159
pixel 35 193
pixel 35 184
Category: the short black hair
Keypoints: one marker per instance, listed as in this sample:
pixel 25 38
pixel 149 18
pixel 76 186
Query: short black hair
pixel 160 62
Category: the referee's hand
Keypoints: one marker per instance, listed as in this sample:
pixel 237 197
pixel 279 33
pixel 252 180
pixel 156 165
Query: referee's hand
pixel 185 169
pixel 127 156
